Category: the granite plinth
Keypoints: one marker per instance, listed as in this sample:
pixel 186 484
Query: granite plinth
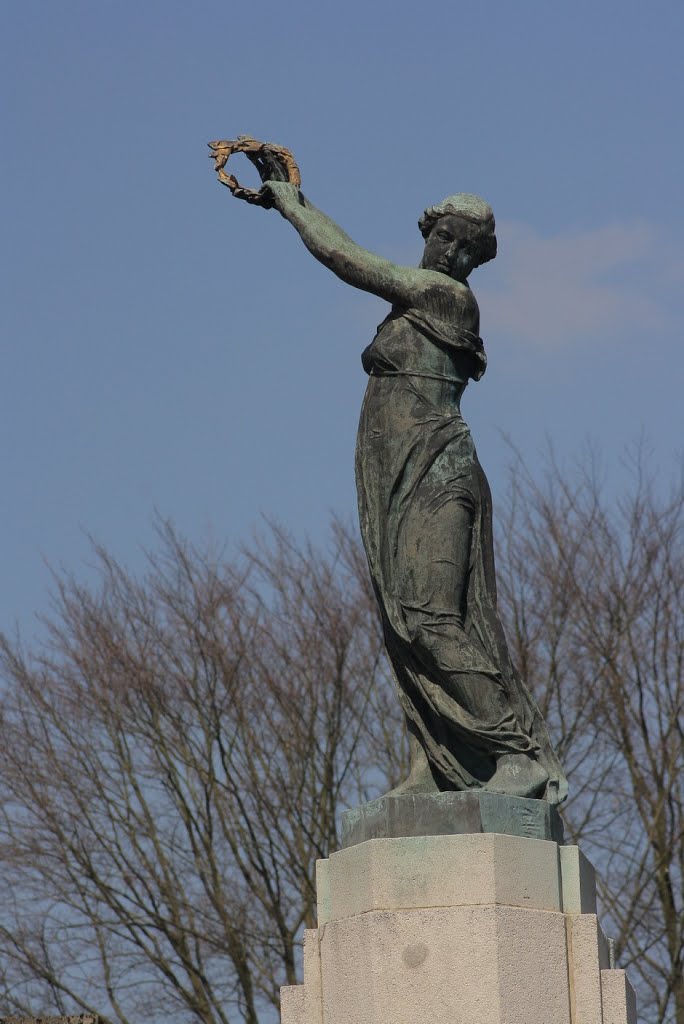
pixel 448 929
pixel 452 813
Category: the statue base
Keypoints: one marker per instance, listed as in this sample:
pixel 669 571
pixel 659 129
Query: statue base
pixel 479 927
pixel 451 813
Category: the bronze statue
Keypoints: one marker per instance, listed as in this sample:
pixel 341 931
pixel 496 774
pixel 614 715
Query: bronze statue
pixel 424 502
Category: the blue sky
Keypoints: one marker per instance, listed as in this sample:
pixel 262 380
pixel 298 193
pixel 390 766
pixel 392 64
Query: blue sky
pixel 166 347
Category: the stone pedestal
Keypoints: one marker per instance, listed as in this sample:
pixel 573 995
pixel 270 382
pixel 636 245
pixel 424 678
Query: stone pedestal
pixel 469 928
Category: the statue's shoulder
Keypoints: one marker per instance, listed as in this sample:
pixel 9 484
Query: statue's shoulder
pixel 447 299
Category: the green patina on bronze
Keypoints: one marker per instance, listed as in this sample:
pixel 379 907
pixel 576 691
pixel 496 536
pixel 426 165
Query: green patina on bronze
pixel 425 506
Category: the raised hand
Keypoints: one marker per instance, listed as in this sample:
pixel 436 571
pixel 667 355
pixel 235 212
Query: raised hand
pixel 268 164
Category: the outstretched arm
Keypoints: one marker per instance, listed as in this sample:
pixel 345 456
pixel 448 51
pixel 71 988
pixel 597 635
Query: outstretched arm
pixel 403 286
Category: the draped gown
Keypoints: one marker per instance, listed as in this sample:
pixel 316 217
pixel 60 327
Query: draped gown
pixel 426 521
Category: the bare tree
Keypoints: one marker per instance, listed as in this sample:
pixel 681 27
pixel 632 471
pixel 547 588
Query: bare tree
pixel 174 757
pixel 592 590
pixel 173 762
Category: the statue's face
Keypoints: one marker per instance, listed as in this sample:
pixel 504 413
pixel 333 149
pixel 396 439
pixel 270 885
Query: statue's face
pixel 448 247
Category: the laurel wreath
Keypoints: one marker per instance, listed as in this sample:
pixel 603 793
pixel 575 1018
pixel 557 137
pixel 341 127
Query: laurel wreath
pixel 272 162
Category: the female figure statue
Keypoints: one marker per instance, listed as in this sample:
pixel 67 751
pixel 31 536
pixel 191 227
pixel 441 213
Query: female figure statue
pixel 425 506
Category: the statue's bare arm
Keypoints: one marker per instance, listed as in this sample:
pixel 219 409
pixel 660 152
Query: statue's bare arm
pixel 402 286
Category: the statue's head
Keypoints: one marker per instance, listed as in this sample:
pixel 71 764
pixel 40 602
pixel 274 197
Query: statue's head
pixel 459 235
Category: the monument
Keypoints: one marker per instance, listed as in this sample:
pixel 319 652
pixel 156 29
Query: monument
pixel 453 897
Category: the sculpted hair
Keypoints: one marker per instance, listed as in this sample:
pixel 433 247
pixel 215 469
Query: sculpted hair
pixel 471 208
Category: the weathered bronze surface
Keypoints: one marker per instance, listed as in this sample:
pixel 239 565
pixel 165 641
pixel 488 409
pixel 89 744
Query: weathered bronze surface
pixel 450 813
pixel 424 502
